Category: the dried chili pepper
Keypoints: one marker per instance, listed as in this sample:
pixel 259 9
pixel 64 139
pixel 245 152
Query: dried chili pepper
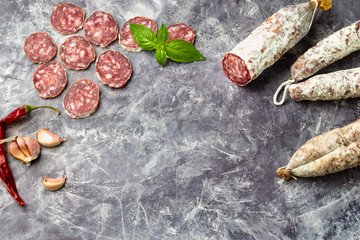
pixel 5 172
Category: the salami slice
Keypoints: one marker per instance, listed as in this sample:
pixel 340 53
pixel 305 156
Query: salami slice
pixel 67 18
pixel 113 68
pixel 181 31
pixel 76 53
pixel 268 42
pixel 39 47
pixel 81 99
pixel 50 79
pixel 127 40
pixel 100 28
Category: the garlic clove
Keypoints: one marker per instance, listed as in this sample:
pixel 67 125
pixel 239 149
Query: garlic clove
pixel 22 146
pixel 15 152
pixel 53 183
pixel 33 147
pixel 48 139
pixel 24 149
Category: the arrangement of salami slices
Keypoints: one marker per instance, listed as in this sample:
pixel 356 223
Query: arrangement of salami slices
pixel 77 53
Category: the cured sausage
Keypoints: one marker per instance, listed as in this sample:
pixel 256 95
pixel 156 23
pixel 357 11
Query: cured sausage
pixel 332 86
pixel 181 31
pixel 39 47
pixel 127 40
pixel 67 18
pixel 267 43
pixel 100 28
pixel 76 53
pixel 340 159
pixel 81 99
pixel 113 68
pixel 50 79
pixel 330 49
pixel 320 146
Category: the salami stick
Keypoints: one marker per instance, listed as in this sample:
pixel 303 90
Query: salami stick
pixel 267 43
pixel 332 86
pixel 320 146
pixel 340 159
pixel 332 48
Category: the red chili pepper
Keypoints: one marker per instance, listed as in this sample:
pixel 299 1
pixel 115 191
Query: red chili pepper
pixel 5 172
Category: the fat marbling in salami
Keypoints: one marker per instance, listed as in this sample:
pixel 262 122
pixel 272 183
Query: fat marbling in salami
pixel 267 43
pixel 127 40
pixel 39 47
pixel 81 99
pixel 100 28
pixel 331 86
pixel 181 31
pixel 76 53
pixel 50 79
pixel 67 18
pixel 113 68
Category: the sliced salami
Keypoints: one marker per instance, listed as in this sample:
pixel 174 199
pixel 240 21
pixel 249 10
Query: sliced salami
pixel 113 68
pixel 76 53
pixel 81 99
pixel 50 79
pixel 181 31
pixel 127 40
pixel 39 47
pixel 67 18
pixel 100 28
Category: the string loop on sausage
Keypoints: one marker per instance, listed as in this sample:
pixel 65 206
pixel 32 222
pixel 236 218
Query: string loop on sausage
pixel 286 84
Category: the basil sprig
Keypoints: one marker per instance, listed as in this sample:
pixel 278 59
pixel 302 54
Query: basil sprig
pixel 177 50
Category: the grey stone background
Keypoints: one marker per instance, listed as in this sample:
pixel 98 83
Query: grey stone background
pixel 179 152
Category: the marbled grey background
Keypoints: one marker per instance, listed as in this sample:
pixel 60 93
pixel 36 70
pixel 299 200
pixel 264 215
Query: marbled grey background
pixel 179 152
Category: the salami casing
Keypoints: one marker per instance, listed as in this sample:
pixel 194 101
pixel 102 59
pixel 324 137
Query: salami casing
pixel 340 159
pixel 126 38
pixel 181 31
pixel 322 145
pixel 267 43
pixel 332 86
pixel 113 68
pixel 39 47
pixel 81 99
pixel 100 28
pixel 76 53
pixel 330 49
pixel 50 79
pixel 67 18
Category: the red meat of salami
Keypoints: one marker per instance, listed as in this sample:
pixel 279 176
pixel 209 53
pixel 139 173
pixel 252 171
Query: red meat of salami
pixel 76 53
pixel 100 28
pixel 81 99
pixel 181 31
pixel 50 79
pixel 39 47
pixel 113 68
pixel 127 40
pixel 67 18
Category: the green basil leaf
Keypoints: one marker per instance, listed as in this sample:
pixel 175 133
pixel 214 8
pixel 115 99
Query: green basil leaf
pixel 143 36
pixel 160 56
pixel 182 51
pixel 163 35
